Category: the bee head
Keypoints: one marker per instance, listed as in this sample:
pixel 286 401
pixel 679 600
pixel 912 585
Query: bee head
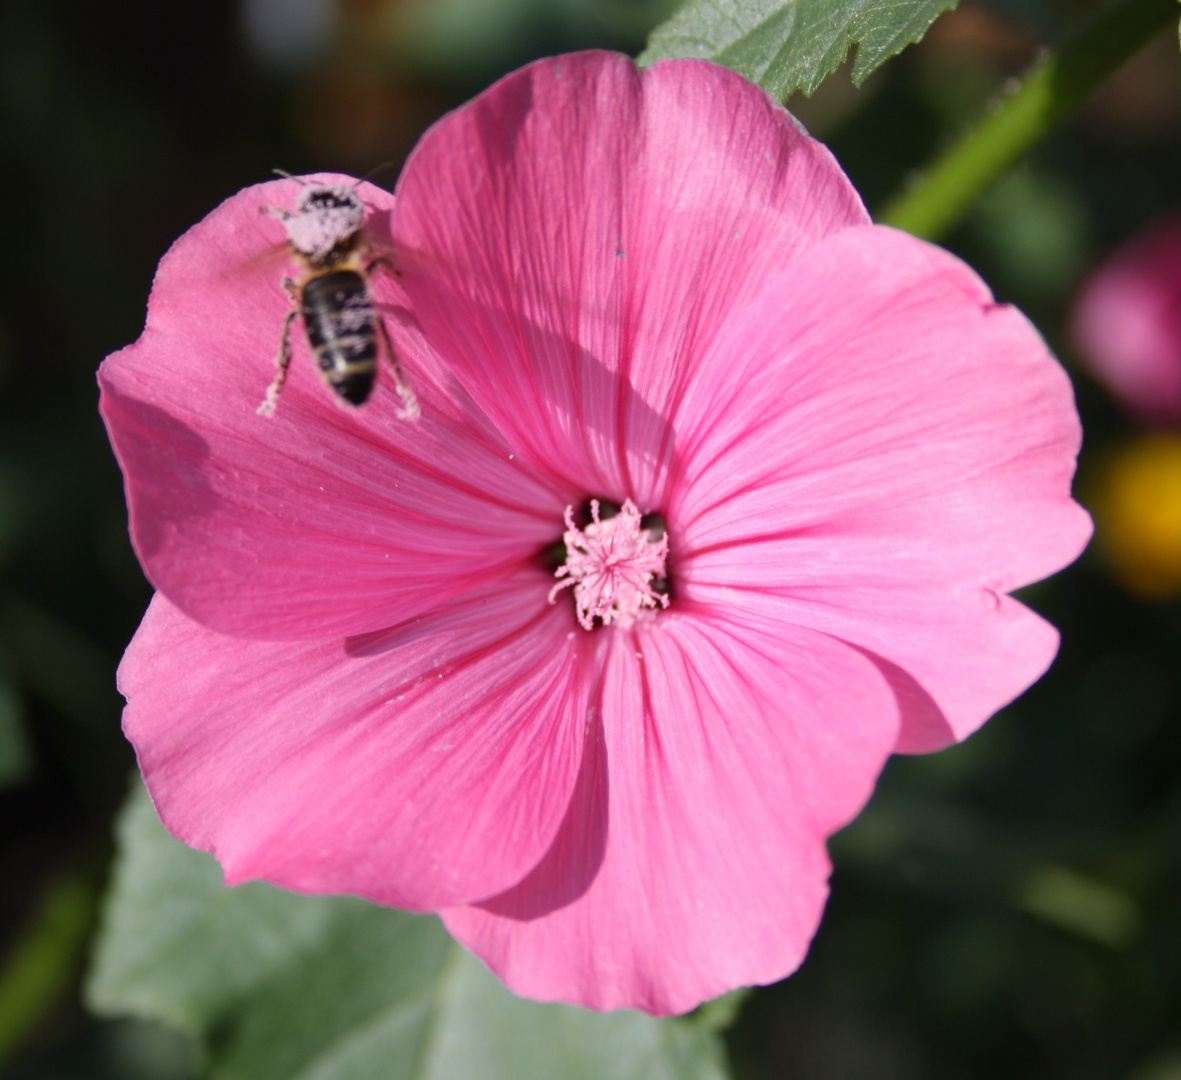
pixel 325 217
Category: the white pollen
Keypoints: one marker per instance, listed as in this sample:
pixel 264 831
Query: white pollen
pixel 324 216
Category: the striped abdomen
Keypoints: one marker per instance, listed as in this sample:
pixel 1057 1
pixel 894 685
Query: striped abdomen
pixel 342 330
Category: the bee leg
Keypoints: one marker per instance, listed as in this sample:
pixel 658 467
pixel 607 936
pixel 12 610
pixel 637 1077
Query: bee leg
pixel 409 409
pixel 282 362
pixel 381 260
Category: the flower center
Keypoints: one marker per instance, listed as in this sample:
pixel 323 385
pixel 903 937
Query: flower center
pixel 615 565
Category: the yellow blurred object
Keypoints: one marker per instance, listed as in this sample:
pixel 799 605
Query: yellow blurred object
pixel 1138 515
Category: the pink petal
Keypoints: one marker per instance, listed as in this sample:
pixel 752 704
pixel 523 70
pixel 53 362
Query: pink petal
pixel 882 452
pixel 427 765
pixel 320 522
pixel 692 860
pixel 1127 322
pixel 574 239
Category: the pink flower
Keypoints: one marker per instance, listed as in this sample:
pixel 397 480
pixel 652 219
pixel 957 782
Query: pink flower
pixel 834 455
pixel 1127 322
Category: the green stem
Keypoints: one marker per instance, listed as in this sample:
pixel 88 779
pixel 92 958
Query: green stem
pixel 44 960
pixel 1053 88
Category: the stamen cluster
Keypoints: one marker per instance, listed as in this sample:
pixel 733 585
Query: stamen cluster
pixel 612 565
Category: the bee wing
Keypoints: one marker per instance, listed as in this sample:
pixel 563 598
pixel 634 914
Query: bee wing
pixel 402 256
pixel 267 250
pixel 379 247
pixel 276 259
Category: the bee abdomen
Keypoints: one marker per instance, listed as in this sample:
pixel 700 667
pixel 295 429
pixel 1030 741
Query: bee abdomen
pixel 342 331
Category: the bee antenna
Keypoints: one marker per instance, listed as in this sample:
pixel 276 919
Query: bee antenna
pixel 287 176
pixel 376 171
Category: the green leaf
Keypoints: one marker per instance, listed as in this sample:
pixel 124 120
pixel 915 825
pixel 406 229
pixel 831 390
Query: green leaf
pixel 279 987
pixel 789 45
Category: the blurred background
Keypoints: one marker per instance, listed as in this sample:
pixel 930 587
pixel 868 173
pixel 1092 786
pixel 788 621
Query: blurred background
pixel 1009 908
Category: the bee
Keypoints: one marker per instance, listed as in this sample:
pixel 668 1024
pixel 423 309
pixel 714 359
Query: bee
pixel 333 297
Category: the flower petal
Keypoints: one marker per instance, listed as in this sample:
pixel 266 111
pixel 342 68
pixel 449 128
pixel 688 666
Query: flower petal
pixel 427 765
pixel 886 452
pixel 574 239
pixel 320 522
pixel 725 756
